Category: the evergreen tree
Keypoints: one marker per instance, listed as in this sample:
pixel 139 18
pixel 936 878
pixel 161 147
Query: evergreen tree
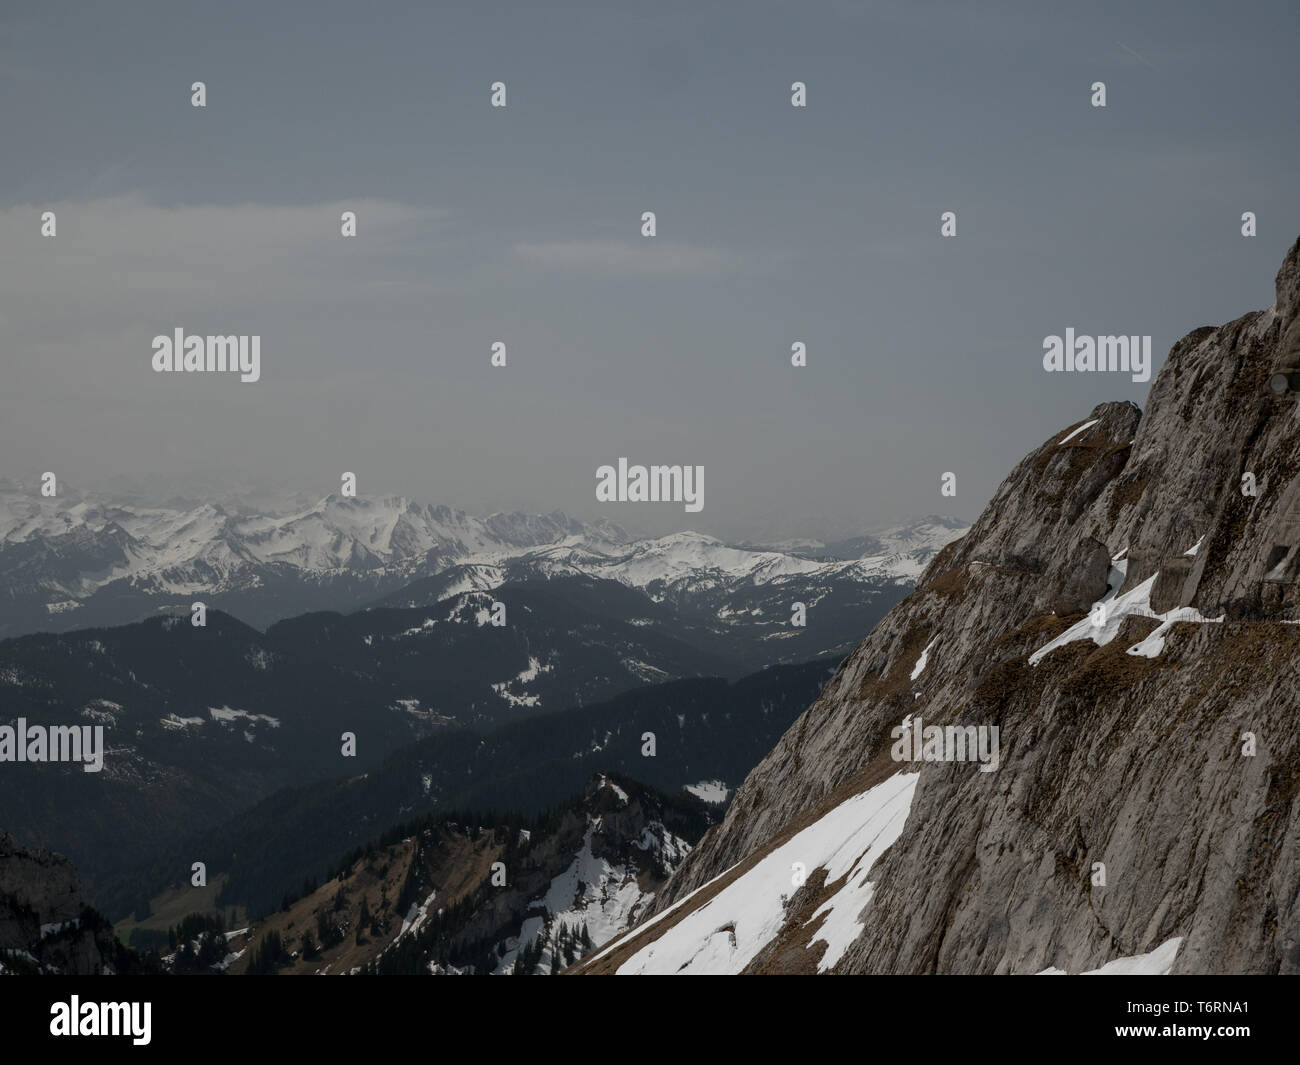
pixel 269 955
pixel 363 920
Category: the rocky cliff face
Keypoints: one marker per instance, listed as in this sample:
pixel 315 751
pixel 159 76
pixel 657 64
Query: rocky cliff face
pixel 1149 763
pixel 45 926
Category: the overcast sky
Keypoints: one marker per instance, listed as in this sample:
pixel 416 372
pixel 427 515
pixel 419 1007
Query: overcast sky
pixel 522 225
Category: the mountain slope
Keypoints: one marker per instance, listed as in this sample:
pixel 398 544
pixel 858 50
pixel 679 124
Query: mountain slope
pixel 483 895
pixel 201 723
pixel 708 735
pixel 1146 803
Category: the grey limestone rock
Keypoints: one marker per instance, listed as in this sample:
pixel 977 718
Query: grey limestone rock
pixel 1131 761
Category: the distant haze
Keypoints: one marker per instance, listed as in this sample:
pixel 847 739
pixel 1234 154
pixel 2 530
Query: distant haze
pixel 522 225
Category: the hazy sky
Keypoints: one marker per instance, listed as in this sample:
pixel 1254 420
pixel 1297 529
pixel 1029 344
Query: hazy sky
pixel 522 225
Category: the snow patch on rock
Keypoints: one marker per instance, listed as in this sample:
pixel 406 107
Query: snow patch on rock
pixel 1154 963
pixel 1136 602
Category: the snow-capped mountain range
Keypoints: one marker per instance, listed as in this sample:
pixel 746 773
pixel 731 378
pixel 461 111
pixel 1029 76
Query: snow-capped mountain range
pixel 212 548
pixel 73 562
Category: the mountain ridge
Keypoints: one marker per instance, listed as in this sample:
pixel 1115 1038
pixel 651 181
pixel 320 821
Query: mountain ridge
pixel 74 562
